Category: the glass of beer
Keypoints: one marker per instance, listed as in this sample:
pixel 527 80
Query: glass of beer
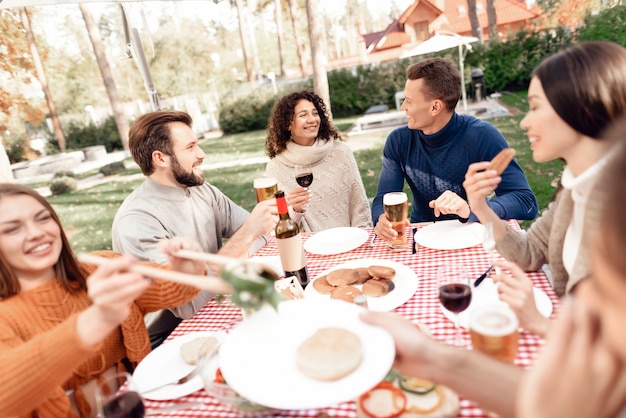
pixel 493 330
pixel 396 207
pixel 264 188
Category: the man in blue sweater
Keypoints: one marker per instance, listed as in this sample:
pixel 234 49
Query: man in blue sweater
pixel 433 151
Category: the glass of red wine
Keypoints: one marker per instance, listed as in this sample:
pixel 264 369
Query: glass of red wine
pixel 304 176
pixel 454 292
pixel 117 397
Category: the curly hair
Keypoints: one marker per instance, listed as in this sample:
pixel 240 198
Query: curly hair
pixel 67 270
pixel 278 133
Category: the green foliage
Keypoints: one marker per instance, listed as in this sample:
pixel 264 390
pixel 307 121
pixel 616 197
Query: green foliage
pixel 250 111
pixel 508 65
pixel 352 91
pixel 62 185
pixel 609 24
pixel 63 173
pixel 113 168
pixel 14 148
pixel 79 136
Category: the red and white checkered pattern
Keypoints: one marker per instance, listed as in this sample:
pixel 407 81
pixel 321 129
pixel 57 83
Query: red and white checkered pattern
pixel 423 307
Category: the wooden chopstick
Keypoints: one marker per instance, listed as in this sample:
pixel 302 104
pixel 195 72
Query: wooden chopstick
pixel 207 257
pixel 212 284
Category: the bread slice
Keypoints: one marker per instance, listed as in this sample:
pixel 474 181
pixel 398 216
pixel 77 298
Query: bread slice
pixel 330 354
pixel 199 347
pixel 502 160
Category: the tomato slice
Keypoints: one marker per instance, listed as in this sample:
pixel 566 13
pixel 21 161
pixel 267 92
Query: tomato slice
pixel 398 400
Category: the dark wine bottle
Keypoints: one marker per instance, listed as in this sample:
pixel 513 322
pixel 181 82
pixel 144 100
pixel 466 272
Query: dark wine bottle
pixel 289 242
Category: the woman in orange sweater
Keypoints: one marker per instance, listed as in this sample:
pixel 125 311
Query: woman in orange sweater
pixel 62 323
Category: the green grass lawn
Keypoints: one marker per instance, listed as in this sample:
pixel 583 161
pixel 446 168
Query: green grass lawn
pixel 87 214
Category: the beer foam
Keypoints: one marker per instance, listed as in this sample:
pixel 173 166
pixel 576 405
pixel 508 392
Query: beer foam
pixel 394 198
pixel 262 183
pixel 494 321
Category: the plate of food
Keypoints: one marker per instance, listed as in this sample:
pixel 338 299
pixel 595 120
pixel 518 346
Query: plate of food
pixel 487 294
pixel 450 235
pixel 387 284
pixel 171 361
pixel 308 354
pixel 407 397
pixel 335 240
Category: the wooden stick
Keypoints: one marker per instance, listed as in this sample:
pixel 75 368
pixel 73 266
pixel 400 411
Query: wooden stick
pixel 207 257
pixel 212 284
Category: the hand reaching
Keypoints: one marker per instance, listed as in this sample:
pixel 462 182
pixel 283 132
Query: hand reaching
pixel 450 203
pixel 516 290
pixel 184 265
pixel 412 345
pixel 112 288
pixel 479 183
pixel 576 375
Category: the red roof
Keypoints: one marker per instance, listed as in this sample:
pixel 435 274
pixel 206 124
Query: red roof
pixel 507 11
pixel 453 17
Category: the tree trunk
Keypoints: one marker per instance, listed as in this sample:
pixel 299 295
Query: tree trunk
pixel 244 43
pixel 477 31
pixel 253 48
pixel 41 76
pixel 293 11
pixel 121 120
pixel 492 20
pixel 318 54
pixel 280 34
pixel 6 174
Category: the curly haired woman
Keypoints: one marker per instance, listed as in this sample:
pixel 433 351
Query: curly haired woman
pixel 299 132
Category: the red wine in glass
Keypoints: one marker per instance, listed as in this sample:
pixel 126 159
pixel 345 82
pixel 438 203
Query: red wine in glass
pixel 455 297
pixel 454 293
pixel 125 405
pixel 304 179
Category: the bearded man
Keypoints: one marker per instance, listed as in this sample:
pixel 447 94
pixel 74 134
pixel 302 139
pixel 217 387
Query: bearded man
pixel 175 200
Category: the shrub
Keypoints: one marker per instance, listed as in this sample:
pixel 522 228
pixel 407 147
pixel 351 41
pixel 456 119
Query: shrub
pixel 609 25
pixel 78 136
pixel 60 174
pixel 61 185
pixel 113 168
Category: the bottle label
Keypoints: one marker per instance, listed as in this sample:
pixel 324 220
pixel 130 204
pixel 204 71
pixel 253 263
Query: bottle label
pixel 291 253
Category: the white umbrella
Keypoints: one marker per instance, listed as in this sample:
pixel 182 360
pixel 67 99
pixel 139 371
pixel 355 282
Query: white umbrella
pixel 445 40
pixel 439 42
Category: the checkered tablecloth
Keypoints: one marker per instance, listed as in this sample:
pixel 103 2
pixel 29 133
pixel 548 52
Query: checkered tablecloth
pixel 423 307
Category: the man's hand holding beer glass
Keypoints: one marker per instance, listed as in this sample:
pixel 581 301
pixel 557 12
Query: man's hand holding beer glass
pixel 392 224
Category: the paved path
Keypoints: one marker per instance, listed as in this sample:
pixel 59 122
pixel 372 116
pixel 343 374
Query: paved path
pixel 368 140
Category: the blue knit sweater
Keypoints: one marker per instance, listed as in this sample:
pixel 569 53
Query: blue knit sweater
pixel 432 164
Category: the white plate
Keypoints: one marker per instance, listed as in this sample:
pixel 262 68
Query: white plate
pixel 335 240
pixel 450 235
pixel 487 294
pixel 405 281
pixel 272 261
pixel 258 359
pixel 165 364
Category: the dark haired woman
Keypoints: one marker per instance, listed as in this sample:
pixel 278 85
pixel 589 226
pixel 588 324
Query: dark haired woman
pixel 64 324
pixel 574 96
pixel 300 132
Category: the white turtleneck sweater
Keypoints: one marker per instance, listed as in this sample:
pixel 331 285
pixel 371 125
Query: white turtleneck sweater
pixel 337 193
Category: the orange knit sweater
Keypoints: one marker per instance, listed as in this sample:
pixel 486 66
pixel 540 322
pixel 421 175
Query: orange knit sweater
pixel 41 356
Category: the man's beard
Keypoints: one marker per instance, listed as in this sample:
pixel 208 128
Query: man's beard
pixel 187 178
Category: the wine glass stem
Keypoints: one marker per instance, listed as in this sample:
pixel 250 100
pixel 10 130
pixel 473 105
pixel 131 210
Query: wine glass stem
pixel 457 330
